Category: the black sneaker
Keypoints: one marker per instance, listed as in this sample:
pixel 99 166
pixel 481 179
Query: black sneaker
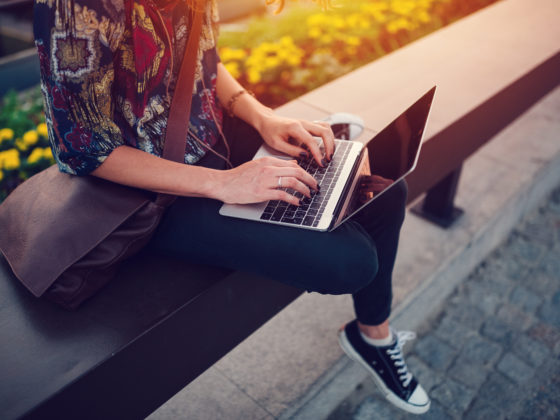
pixel 388 368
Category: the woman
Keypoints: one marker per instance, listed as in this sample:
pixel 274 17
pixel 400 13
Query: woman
pixel 108 74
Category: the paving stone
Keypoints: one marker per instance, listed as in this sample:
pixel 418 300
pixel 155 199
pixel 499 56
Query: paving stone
pixel 467 372
pixel 467 315
pixel 525 299
pixel 540 226
pixel 499 332
pixel 479 297
pixel 550 311
pixel 373 408
pixel 436 412
pixel 453 332
pixel 427 377
pixel 531 350
pixel 499 391
pixel 550 264
pixel 515 317
pixel 546 334
pixel 453 396
pixel 499 280
pixel 553 207
pixel 515 369
pixel 540 282
pixel 435 352
pixel 501 267
pixel 481 350
pixel 481 410
pixel 542 401
pixel 527 250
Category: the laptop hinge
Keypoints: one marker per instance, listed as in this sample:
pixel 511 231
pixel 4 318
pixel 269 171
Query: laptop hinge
pixel 345 190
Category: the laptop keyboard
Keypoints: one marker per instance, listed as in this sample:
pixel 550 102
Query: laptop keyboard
pixel 310 211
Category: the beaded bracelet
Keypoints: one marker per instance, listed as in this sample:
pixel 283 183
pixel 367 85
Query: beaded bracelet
pixel 234 98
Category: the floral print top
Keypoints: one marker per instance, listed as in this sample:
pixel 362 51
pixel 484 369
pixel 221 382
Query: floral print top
pixel 108 71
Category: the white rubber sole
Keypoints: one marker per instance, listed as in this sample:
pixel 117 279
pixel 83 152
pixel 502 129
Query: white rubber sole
pixel 389 395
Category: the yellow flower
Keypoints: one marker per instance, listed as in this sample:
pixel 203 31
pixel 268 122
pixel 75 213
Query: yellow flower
pixel 233 68
pixel 314 32
pixel 47 153
pixel 352 40
pixel 424 16
pixel 31 137
pixel 35 156
pixel 1 175
pixel 20 144
pixel 6 134
pixel 294 60
pixel 403 7
pixel 271 62
pixel 229 54
pixel 318 19
pixel 254 76
pixel 43 130
pixel 9 159
pixel 398 24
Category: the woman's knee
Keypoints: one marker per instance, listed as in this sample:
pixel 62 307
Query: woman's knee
pixel 352 269
pixel 395 201
pixel 398 195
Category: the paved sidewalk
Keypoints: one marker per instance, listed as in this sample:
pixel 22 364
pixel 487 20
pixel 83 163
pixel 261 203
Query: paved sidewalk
pixel 493 352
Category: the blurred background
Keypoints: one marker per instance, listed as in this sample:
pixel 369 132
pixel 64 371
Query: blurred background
pixel 279 56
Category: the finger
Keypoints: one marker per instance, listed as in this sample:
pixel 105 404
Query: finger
pixel 303 136
pixel 299 174
pixel 317 128
pixel 277 162
pixel 296 185
pixel 291 149
pixel 283 196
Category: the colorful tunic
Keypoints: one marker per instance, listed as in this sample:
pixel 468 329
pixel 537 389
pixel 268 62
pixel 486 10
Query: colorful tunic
pixel 108 71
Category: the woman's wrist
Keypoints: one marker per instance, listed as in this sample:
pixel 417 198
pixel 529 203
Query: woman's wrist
pixel 212 183
pixel 260 116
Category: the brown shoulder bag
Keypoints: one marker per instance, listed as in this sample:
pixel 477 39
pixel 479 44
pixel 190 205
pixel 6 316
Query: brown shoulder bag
pixel 64 235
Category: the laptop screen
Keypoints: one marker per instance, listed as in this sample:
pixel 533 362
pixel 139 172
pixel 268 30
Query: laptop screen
pixel 391 154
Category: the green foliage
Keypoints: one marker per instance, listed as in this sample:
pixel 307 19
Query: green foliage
pixel 21 112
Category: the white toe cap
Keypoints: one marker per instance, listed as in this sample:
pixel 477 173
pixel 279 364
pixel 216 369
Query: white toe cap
pixel 419 397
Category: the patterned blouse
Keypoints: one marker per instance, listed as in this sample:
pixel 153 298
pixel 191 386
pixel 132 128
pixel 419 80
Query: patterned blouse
pixel 108 70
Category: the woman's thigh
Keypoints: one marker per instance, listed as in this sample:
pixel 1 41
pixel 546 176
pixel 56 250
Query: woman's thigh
pixel 342 261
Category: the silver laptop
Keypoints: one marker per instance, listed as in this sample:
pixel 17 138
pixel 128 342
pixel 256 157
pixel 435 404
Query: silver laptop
pixel 357 175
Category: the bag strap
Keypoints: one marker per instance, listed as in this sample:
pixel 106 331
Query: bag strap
pixel 180 111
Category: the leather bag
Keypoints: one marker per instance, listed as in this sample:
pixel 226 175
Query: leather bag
pixel 64 235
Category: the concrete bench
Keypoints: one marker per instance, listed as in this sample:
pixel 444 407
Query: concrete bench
pixel 160 324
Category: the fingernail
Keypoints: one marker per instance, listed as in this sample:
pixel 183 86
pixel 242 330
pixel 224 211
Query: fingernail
pixel 300 202
pixel 303 155
pixel 318 187
pixel 331 157
pixel 323 162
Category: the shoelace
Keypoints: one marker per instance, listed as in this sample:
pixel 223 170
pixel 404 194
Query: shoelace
pixel 396 354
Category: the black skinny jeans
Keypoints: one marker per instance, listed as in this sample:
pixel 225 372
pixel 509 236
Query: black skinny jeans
pixel 356 258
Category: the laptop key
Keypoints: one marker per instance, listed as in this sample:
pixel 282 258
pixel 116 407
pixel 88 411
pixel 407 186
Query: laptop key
pixel 266 216
pixel 308 221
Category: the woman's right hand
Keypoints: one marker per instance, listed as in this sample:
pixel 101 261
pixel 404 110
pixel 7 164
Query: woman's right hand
pixel 257 181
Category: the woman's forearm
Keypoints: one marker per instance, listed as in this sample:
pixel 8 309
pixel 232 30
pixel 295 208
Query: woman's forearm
pixel 246 106
pixel 129 166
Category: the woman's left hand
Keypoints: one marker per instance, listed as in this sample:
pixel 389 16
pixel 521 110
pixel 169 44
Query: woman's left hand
pixel 294 137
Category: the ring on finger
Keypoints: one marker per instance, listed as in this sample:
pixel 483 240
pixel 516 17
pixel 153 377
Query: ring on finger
pixel 279 182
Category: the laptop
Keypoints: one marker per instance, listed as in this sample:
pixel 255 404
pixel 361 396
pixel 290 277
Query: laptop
pixel 357 175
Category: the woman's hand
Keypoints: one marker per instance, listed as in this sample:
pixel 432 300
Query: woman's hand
pixel 258 180
pixel 281 133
